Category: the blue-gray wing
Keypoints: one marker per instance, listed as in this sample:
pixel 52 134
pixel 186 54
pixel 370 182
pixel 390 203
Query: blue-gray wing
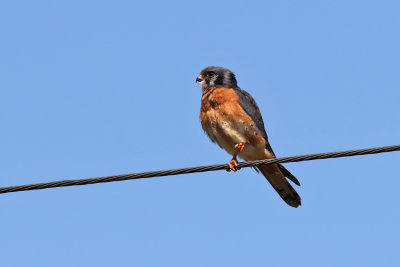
pixel 249 105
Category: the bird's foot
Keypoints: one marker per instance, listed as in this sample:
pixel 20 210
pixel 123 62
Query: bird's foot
pixel 233 165
pixel 239 147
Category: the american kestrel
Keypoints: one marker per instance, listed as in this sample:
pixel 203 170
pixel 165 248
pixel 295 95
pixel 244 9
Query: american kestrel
pixel 232 119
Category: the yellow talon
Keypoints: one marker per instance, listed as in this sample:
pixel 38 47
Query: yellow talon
pixel 233 165
pixel 239 147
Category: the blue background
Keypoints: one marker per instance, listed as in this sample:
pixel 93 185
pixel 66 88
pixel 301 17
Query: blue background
pixel 94 88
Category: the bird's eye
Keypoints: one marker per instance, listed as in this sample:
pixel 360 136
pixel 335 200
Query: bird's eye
pixel 210 73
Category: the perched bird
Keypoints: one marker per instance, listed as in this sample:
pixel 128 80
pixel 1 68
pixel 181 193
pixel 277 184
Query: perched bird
pixel 232 119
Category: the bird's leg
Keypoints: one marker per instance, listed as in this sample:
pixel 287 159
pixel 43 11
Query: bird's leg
pixel 233 164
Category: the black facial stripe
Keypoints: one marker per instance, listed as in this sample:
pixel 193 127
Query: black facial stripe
pixel 219 80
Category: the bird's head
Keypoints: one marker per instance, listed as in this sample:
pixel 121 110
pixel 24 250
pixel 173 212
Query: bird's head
pixel 216 77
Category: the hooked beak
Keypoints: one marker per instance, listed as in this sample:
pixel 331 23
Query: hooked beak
pixel 198 79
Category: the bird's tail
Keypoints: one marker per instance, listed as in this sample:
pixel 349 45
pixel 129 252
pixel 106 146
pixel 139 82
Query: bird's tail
pixel 275 174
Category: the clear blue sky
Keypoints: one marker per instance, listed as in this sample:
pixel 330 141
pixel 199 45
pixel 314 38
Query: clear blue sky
pixel 93 88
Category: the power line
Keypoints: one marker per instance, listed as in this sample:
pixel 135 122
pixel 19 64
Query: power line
pixel 216 167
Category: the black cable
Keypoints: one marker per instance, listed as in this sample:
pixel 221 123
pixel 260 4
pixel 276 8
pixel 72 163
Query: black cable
pixel 216 167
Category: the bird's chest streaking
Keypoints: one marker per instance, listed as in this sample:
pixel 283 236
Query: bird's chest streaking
pixel 226 123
